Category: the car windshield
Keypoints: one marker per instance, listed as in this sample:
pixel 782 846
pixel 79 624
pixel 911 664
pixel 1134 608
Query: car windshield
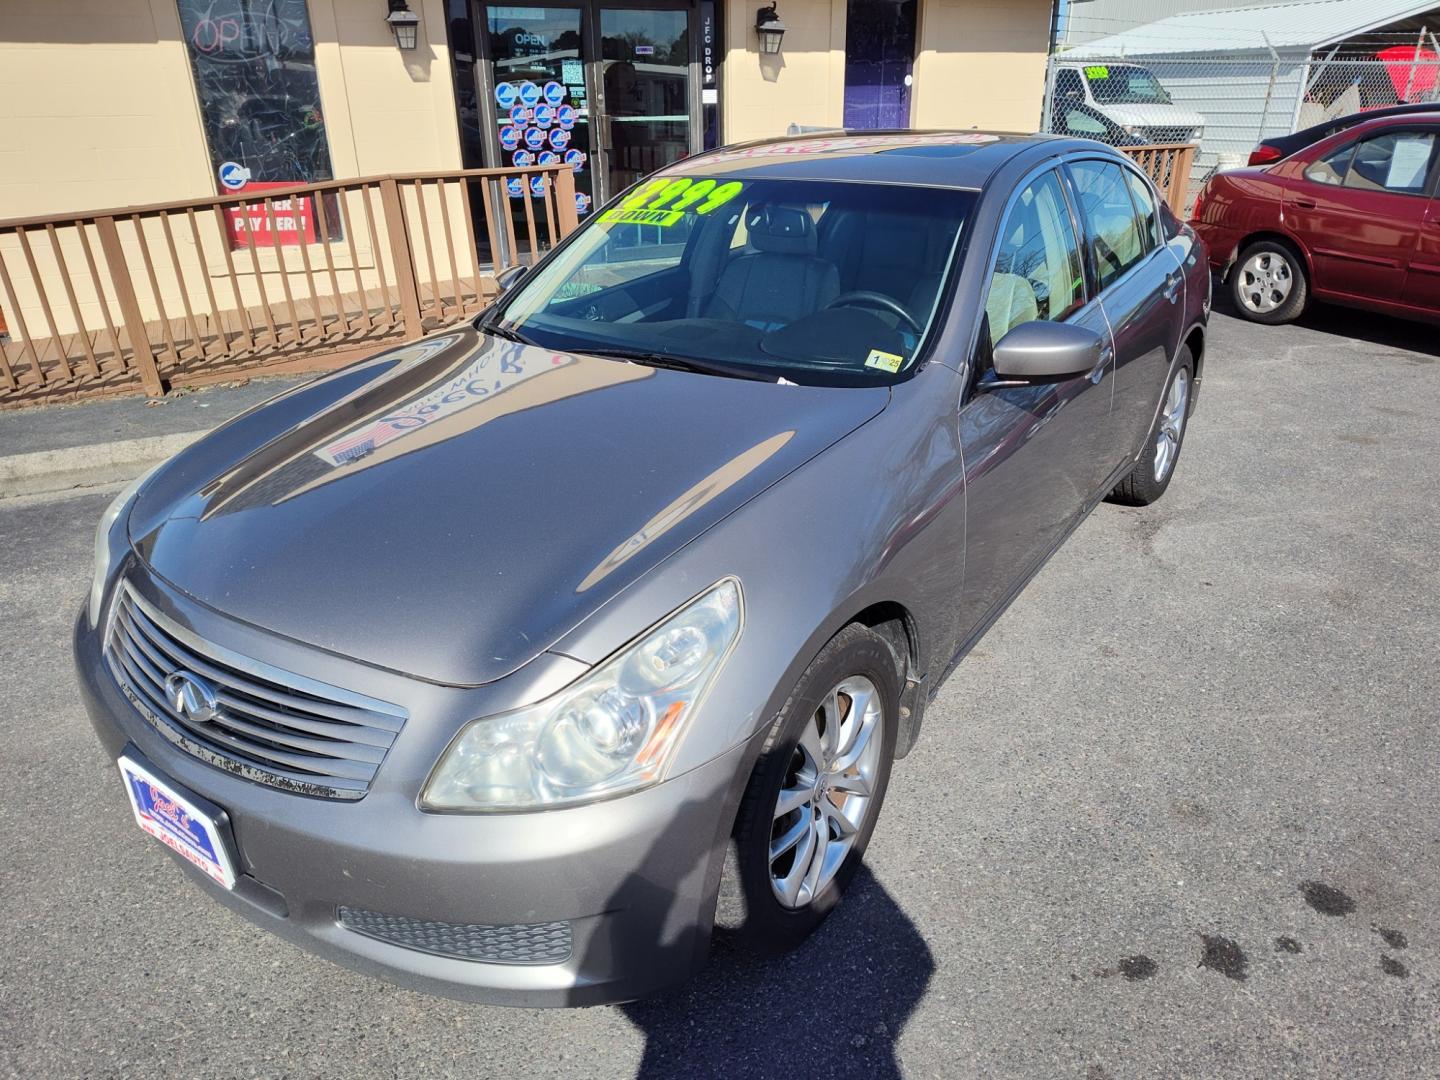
pixel 1118 85
pixel 820 282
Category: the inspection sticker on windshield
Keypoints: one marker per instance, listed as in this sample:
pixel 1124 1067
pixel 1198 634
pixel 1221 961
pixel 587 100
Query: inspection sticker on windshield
pixel 885 361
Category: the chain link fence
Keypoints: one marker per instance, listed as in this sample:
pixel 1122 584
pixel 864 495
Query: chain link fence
pixel 1225 101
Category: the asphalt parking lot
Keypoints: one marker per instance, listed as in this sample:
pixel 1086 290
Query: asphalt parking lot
pixel 1176 816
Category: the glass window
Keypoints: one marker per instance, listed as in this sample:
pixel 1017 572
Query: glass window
pixel 1037 270
pixel 1145 205
pixel 1114 235
pixel 1398 161
pixel 1331 169
pixel 540 107
pixel 1077 122
pixel 659 278
pixel 1124 84
pixel 259 97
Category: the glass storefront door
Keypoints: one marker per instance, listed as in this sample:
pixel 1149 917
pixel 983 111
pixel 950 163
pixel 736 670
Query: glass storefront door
pixel 539 92
pixel 645 66
pixel 613 91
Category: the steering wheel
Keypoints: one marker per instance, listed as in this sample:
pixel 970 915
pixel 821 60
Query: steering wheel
pixel 867 298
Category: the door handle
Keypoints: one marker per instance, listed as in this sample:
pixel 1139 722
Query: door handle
pixel 1172 288
pixel 1305 204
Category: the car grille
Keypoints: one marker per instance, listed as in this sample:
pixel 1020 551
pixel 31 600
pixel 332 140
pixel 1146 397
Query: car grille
pixel 1167 135
pixel 531 943
pixel 269 726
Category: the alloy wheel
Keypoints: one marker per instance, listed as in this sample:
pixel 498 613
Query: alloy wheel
pixel 828 791
pixel 1172 425
pixel 1265 281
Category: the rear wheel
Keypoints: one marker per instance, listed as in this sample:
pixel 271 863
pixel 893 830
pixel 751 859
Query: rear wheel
pixel 1152 472
pixel 814 796
pixel 1268 283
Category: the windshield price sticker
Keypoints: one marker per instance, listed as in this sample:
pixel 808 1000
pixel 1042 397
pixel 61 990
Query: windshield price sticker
pixel 1097 71
pixel 621 216
pixel 703 195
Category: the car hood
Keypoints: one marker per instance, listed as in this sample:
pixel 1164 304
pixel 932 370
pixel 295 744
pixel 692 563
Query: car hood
pixel 451 514
pixel 1156 115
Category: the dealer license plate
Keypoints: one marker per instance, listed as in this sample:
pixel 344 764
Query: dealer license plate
pixel 177 822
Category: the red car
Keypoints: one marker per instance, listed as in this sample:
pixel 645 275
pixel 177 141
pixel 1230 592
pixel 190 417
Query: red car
pixel 1353 219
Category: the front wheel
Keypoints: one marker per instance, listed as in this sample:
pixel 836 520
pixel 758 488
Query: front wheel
pixel 815 793
pixel 1151 475
pixel 1268 283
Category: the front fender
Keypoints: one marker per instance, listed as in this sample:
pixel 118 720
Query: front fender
pixel 877 518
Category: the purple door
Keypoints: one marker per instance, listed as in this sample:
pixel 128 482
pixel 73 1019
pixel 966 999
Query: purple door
pixel 879 56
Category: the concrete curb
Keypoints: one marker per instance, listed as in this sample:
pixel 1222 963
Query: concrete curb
pixel 47 471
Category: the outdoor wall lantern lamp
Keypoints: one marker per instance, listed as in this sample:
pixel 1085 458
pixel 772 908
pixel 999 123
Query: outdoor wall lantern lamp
pixel 404 24
pixel 770 30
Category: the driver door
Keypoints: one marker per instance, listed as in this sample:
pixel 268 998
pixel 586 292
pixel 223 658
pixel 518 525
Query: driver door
pixel 1035 454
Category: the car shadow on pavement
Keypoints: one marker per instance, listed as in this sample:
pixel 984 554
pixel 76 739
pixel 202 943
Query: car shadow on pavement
pixel 1390 331
pixel 833 1007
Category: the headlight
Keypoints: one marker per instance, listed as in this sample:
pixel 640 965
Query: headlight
pixel 109 538
pixel 613 730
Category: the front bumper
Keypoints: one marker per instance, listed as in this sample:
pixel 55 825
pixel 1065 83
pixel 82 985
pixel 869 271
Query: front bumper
pixel 594 904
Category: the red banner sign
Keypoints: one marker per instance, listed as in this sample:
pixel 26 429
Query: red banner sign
pixel 294 219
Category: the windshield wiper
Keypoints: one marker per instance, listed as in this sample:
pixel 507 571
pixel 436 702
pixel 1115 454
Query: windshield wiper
pixel 682 363
pixel 505 332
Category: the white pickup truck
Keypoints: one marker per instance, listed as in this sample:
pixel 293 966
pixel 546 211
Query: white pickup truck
pixel 1132 97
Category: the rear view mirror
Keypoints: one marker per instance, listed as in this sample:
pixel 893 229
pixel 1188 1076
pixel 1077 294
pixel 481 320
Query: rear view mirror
pixel 1045 351
pixel 508 279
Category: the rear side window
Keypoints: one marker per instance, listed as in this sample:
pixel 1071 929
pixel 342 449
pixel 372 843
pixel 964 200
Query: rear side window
pixel 1114 234
pixel 1037 272
pixel 1145 204
pixel 1331 169
pixel 1397 161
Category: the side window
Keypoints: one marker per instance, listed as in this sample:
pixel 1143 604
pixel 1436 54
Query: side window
pixel 1113 233
pixel 1080 123
pixel 1037 269
pixel 1331 169
pixel 1398 161
pixel 1068 85
pixel 1145 204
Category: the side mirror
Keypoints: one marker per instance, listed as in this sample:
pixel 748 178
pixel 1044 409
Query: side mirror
pixel 508 279
pixel 1047 351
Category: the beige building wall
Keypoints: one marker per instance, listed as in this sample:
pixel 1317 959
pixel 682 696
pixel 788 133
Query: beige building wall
pixel 980 64
pixel 98 110
pixel 804 84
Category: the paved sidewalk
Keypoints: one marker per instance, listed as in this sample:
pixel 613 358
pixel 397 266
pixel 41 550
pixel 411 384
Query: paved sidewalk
pixel 56 447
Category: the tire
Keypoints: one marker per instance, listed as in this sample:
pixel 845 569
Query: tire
pixel 1269 283
pixel 750 907
pixel 1152 472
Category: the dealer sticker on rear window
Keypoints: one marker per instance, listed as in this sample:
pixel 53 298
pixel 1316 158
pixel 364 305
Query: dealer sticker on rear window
pixel 885 361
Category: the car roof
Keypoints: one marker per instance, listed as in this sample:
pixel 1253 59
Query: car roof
pixel 953 159
pixel 1393 114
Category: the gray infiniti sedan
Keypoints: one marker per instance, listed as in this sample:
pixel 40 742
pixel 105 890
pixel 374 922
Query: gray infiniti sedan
pixel 508 663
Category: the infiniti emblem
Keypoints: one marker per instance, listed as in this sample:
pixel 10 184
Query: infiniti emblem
pixel 192 697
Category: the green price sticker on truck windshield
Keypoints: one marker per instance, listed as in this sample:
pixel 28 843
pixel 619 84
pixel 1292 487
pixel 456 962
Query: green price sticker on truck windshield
pixel 1097 71
pixel 665 202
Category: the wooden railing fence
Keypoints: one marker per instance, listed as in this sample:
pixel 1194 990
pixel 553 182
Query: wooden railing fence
pixel 294 278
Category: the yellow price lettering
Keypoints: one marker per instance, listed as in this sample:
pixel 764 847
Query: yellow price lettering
pixel 637 198
pixel 721 195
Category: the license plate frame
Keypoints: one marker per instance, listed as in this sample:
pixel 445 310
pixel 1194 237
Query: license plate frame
pixel 187 825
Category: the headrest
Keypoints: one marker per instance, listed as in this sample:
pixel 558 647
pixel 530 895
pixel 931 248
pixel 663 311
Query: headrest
pixel 783 230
